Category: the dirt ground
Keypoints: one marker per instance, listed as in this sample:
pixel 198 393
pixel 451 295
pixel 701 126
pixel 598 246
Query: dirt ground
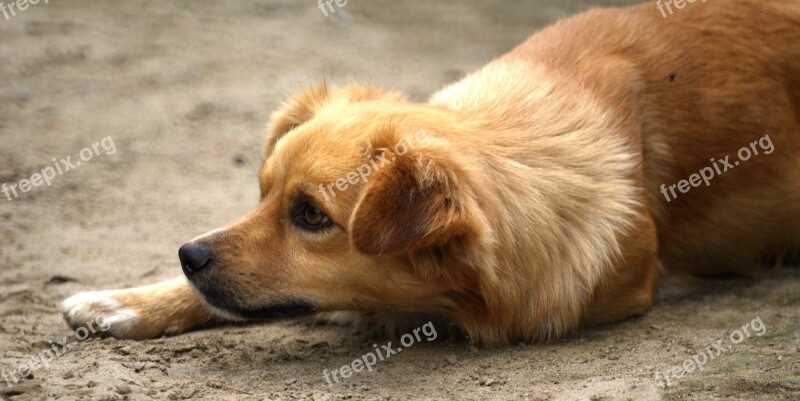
pixel 184 89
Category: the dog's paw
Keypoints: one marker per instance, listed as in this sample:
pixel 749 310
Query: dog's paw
pixel 381 325
pixel 338 318
pixel 162 309
pixel 101 311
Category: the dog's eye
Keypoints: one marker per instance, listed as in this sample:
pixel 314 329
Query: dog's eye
pixel 314 217
pixel 311 217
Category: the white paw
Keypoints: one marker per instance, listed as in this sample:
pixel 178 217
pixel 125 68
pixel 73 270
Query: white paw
pixel 99 312
pixel 337 318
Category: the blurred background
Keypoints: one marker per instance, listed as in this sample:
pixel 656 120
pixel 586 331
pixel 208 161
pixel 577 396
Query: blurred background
pixel 184 89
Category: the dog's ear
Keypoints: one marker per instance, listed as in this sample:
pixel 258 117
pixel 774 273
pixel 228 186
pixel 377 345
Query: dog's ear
pixel 303 105
pixel 419 203
pixel 300 108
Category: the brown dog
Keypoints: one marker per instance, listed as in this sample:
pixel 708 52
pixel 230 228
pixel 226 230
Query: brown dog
pixel 546 190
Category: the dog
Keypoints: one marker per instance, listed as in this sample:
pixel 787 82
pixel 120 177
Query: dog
pixel 548 190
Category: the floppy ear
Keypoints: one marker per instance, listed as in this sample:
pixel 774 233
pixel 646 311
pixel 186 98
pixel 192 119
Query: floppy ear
pixel 420 205
pixel 302 106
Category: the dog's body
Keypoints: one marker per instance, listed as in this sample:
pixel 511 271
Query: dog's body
pixel 538 200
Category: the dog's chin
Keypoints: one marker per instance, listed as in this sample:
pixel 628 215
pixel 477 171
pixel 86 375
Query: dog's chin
pixel 225 308
pixel 284 310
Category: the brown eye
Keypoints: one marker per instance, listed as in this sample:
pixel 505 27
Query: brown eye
pixel 309 217
pixel 313 217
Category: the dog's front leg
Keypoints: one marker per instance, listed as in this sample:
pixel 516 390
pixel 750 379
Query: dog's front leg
pixel 167 308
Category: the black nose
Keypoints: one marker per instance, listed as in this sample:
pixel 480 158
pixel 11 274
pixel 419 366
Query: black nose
pixel 194 257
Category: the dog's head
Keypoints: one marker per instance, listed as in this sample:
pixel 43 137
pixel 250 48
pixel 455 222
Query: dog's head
pixel 364 206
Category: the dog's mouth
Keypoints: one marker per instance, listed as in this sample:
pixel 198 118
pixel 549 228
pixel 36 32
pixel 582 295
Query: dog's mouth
pixel 222 302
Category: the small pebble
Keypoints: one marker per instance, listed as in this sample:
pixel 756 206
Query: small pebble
pixel 123 389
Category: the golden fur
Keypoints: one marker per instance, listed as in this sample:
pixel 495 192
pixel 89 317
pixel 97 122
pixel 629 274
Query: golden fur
pixel 535 205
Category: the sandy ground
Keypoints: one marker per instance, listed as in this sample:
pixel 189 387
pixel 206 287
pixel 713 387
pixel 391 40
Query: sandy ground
pixel 184 90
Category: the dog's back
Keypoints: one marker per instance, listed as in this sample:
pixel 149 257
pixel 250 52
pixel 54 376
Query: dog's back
pixel 726 77
pixel 692 87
